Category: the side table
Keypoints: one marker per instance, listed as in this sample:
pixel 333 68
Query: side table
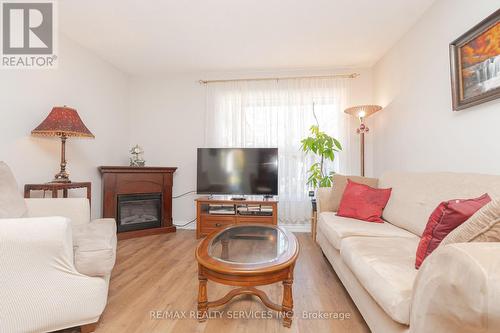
pixel 56 187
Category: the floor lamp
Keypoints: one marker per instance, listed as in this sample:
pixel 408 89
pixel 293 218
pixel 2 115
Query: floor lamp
pixel 362 112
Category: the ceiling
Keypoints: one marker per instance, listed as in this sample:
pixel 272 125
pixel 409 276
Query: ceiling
pixel 153 36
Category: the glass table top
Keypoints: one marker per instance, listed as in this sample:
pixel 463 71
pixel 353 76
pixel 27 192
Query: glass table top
pixel 248 245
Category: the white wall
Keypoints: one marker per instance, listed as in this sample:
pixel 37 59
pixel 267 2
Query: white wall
pixel 168 121
pixel 165 115
pixel 96 89
pixel 417 130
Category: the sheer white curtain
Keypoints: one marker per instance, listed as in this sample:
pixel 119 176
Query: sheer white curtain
pixel 279 113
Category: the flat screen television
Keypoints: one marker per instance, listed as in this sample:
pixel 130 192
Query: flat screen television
pixel 237 171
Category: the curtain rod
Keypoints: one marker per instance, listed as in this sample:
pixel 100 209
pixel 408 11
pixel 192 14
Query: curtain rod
pixel 346 76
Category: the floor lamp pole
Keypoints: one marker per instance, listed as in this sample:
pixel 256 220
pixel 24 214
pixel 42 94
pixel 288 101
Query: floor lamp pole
pixel 361 112
pixel 362 129
pixel 362 156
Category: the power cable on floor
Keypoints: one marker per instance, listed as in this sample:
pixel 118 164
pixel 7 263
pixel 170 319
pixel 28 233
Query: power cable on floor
pixel 183 225
pixel 183 194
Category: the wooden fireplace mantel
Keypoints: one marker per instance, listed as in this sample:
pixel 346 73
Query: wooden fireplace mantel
pixel 129 169
pixel 121 180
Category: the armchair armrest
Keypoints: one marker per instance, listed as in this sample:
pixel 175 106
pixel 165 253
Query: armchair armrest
pixel 39 239
pixel 458 290
pixel 95 247
pixel 41 289
pixel 76 209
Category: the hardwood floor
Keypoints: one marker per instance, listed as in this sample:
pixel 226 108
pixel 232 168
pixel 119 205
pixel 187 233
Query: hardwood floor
pixel 158 274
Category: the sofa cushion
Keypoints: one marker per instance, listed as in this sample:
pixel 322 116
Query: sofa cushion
pixel 12 203
pixel 415 195
pixel 95 247
pixel 445 218
pixel 363 202
pixel 338 186
pixel 483 226
pixel 385 268
pixel 336 228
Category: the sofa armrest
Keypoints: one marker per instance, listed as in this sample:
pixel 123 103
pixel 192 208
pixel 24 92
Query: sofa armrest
pixel 457 289
pixel 324 199
pixel 76 209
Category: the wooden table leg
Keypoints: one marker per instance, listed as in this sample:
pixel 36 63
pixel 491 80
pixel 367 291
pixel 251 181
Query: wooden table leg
pixel 287 304
pixel 27 192
pixel 89 193
pixel 314 224
pixel 202 296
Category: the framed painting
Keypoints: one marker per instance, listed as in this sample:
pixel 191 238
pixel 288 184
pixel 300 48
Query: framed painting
pixel 475 64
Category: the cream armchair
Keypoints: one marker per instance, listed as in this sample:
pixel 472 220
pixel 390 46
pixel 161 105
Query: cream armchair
pixel 55 265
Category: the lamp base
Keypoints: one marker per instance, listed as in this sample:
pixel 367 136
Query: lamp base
pixel 59 181
pixel 61 177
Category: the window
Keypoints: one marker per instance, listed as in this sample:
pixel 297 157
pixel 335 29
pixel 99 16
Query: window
pixel 279 114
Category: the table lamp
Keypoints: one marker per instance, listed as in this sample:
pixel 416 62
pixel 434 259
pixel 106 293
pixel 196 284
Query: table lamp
pixel 63 122
pixel 362 112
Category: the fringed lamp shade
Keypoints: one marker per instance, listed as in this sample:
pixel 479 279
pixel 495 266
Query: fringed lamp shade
pixel 63 121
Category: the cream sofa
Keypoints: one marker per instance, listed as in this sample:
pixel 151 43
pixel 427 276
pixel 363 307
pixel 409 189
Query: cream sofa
pixel 55 264
pixel 457 289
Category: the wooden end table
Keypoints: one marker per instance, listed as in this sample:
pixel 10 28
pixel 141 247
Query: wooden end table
pixel 54 188
pixel 248 255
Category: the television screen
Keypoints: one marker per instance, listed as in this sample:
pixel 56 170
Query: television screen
pixel 238 171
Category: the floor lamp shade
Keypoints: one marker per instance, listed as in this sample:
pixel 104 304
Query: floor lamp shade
pixel 63 122
pixel 361 112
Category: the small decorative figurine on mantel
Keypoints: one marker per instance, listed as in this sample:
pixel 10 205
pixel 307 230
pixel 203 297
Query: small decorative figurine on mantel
pixel 136 160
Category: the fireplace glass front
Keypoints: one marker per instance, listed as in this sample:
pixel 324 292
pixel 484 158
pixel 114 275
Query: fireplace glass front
pixel 138 211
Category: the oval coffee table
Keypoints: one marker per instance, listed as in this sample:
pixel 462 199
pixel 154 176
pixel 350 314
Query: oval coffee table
pixel 247 255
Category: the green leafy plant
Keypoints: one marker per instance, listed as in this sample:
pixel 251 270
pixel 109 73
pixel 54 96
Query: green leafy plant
pixel 324 146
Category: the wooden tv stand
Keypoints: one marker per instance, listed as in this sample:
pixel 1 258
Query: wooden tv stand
pixel 207 222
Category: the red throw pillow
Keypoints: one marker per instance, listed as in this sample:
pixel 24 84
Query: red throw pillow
pixel 445 218
pixel 363 202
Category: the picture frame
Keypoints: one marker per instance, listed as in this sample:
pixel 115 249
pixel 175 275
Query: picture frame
pixel 475 64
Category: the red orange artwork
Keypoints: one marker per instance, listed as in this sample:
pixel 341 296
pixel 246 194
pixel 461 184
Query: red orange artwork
pixel 475 64
pixel 480 60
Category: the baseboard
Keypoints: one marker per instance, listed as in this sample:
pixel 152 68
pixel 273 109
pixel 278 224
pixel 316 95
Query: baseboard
pixel 289 227
pixel 297 227
pixel 191 226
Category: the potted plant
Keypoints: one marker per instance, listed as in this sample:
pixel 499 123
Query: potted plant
pixel 324 147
